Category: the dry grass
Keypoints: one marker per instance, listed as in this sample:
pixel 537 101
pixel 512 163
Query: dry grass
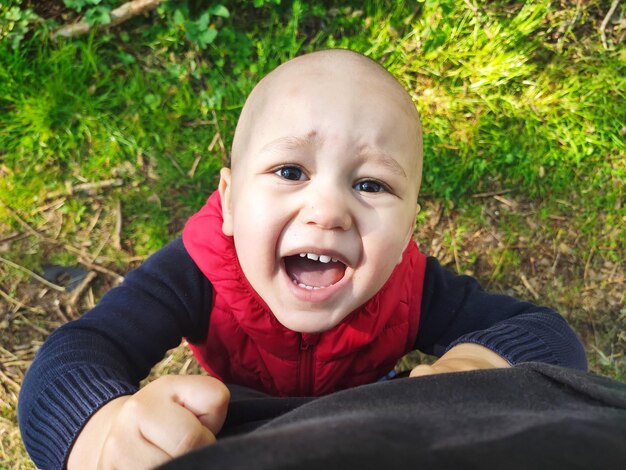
pixel 104 159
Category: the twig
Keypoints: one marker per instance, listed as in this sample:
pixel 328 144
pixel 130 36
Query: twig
pixel 220 141
pixel 557 257
pixel 54 205
pixel 117 236
pixel 605 22
pixel 192 171
pixel 81 288
pixel 86 187
pixel 125 12
pixel 32 325
pixel 454 248
pixel 529 286
pixel 619 280
pixel 565 203
pixel 90 299
pixel 505 201
pixel 100 246
pixel 18 304
pixel 12 236
pixel 9 381
pixel 498 266
pixel 198 123
pixel 94 221
pixel 33 275
pixel 185 367
pixel 59 311
pixel 213 141
pixel 586 271
pixel 492 193
pixel 6 352
pixel 96 267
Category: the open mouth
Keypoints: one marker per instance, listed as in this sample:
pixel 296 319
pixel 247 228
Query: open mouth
pixel 312 271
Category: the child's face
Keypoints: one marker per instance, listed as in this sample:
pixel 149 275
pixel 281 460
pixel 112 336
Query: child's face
pixel 330 171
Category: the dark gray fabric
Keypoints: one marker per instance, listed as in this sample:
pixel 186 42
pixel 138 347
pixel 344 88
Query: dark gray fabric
pixel 531 416
pixel 107 352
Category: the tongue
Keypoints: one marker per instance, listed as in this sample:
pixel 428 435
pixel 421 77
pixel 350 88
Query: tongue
pixel 313 273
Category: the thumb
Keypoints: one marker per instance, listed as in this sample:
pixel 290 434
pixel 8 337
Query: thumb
pixel 422 370
pixel 206 397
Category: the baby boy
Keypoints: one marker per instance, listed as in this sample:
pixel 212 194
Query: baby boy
pixel 298 277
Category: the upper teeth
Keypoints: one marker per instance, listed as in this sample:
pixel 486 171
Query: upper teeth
pixel 316 257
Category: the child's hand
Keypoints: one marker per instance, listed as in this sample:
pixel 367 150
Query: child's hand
pixel 465 356
pixel 167 418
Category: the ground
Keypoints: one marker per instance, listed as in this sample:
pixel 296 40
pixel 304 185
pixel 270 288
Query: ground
pixel 552 251
pixel 540 265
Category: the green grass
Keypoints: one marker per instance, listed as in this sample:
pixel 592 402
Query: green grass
pixel 505 103
pixel 522 97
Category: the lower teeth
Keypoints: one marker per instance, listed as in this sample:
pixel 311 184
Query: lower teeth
pixel 304 286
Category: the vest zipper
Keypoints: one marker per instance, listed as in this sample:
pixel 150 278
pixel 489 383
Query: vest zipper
pixel 305 367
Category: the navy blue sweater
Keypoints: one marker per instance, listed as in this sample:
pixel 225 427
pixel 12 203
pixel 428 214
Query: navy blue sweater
pixel 109 350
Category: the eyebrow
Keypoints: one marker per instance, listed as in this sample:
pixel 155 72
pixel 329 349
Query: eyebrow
pixel 381 158
pixel 290 143
pixel 365 153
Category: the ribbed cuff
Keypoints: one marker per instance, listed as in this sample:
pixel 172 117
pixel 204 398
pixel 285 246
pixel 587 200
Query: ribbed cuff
pixel 63 409
pixel 513 343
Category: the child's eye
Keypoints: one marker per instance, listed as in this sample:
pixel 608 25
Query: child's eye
pixel 292 173
pixel 370 186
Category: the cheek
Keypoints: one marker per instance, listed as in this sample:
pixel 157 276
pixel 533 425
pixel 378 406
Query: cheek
pixel 256 231
pixel 384 251
pixel 386 243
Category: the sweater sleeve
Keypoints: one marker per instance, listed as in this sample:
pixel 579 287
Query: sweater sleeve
pixel 104 354
pixel 455 309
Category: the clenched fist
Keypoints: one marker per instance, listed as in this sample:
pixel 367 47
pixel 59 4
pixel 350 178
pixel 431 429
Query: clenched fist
pixel 165 419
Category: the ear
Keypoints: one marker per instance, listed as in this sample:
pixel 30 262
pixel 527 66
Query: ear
pixel 227 211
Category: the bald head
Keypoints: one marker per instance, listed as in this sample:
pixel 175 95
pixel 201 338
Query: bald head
pixel 347 72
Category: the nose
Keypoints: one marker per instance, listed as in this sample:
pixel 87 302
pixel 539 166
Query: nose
pixel 327 208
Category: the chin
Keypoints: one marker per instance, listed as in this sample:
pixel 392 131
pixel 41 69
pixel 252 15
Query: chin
pixel 307 322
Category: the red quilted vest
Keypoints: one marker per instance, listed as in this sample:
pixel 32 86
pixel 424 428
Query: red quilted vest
pixel 246 345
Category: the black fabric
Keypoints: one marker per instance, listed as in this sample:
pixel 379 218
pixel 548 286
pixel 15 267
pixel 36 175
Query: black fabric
pixel 531 416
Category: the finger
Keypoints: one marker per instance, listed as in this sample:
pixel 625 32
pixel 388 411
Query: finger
pixel 124 450
pixel 206 397
pixel 191 410
pixel 422 370
pixel 176 430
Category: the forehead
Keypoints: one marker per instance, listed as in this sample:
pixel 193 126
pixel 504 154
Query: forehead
pixel 366 109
